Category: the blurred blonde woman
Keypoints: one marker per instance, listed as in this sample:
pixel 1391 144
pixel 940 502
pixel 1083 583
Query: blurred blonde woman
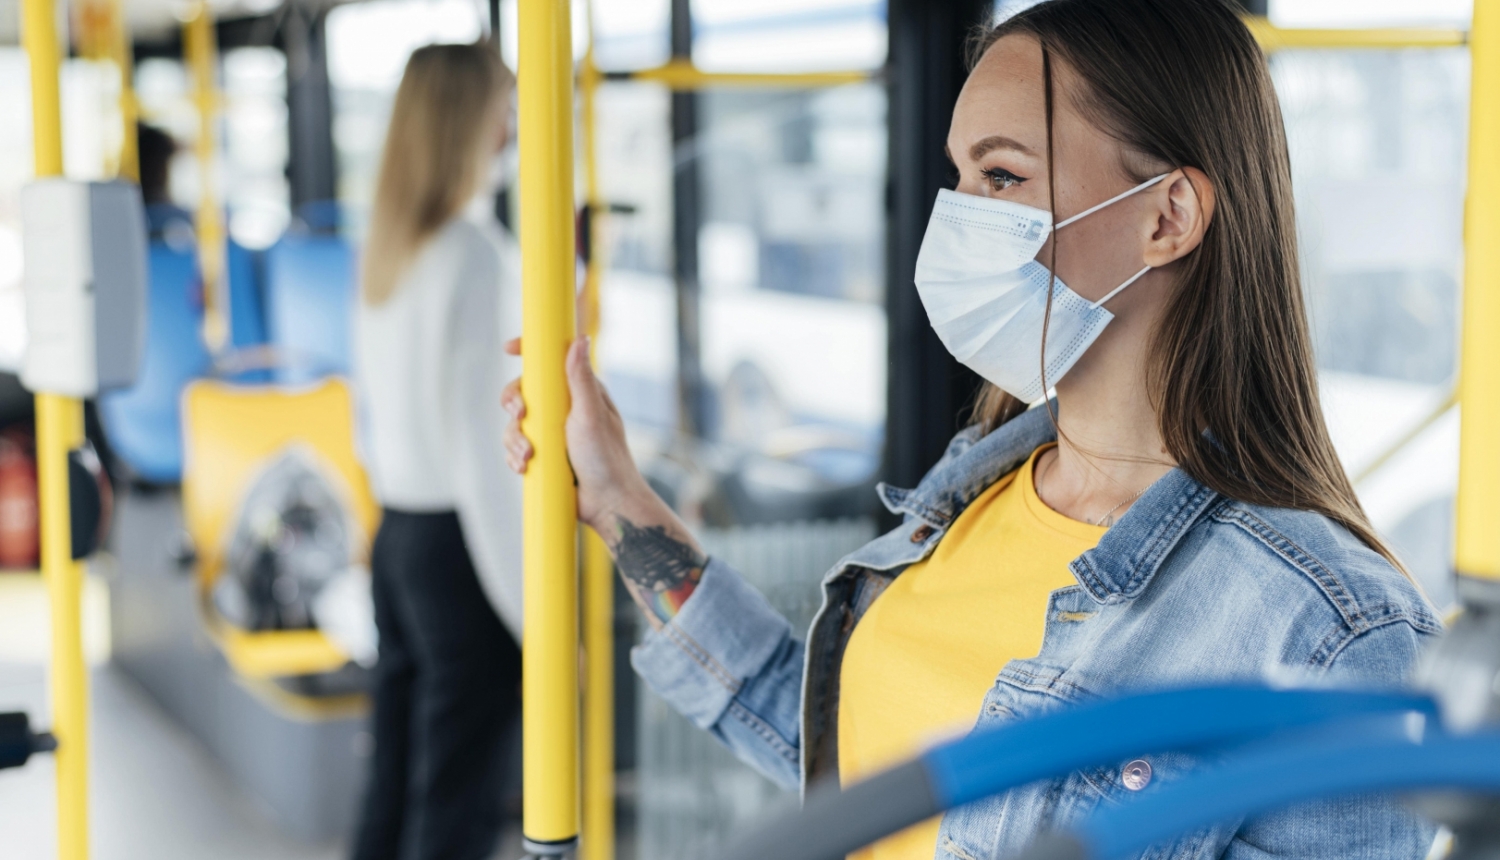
pixel 439 295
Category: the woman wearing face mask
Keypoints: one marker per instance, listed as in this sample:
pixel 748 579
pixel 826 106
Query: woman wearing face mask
pixel 439 294
pixel 1179 516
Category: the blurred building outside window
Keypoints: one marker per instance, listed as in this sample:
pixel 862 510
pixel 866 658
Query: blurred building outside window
pixel 790 239
pixel 15 170
pixel 253 144
pixel 368 46
pixel 1378 144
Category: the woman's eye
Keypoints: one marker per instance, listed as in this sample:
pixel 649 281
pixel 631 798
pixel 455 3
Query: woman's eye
pixel 1000 179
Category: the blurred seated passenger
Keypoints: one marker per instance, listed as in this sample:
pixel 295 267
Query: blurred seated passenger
pixel 165 219
pixel 439 286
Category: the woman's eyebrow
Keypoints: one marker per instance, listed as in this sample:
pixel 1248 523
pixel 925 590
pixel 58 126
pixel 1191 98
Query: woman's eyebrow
pixel 994 142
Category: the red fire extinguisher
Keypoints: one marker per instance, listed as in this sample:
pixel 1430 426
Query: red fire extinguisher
pixel 20 541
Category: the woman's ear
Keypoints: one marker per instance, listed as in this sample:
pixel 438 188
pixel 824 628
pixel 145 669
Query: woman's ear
pixel 1185 206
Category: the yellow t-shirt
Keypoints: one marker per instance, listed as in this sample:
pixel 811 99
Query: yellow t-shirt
pixel 921 660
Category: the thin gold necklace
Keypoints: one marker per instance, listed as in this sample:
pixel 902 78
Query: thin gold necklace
pixel 1108 519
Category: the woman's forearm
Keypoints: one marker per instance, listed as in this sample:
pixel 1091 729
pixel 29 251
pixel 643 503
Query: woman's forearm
pixel 657 556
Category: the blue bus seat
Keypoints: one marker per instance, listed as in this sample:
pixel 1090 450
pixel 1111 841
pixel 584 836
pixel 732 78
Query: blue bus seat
pixel 310 295
pixel 247 307
pixel 144 422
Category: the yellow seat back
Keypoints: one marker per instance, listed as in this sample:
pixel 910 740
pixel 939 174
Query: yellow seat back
pixel 230 434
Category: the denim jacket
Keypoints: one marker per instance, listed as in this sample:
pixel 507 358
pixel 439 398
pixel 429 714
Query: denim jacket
pixel 1189 587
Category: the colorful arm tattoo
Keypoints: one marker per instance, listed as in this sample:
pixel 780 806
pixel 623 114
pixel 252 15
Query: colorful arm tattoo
pixel 661 570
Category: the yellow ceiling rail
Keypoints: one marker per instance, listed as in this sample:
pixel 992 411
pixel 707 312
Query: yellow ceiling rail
pixel 1412 433
pixel 201 53
pixel 683 75
pixel 1477 549
pixel 1273 38
pixel 59 429
pixel 549 653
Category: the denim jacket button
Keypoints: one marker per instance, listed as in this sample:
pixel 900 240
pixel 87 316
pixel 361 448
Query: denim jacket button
pixel 1136 775
pixel 921 534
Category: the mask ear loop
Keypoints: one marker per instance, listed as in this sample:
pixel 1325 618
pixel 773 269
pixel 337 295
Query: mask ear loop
pixel 1115 199
pixel 1095 208
pixel 1117 290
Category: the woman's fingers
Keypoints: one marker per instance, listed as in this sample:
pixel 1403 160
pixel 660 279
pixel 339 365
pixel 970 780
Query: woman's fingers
pixel 518 449
pixel 512 401
pixel 513 346
pixel 517 446
pixel 582 383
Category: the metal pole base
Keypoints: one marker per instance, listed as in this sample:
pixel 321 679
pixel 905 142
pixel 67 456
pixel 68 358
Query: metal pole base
pixel 1463 673
pixel 1463 670
pixel 536 850
pixel 1475 822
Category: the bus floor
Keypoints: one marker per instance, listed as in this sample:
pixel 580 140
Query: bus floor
pixel 154 791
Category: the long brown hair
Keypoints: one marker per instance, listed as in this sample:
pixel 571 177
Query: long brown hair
pixel 1182 83
pixel 434 154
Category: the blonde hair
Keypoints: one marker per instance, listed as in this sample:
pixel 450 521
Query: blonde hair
pixel 434 154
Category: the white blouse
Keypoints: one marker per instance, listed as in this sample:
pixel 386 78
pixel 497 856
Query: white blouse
pixel 429 367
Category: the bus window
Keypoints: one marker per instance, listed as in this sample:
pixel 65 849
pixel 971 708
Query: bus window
pixel 368 44
pixel 1378 143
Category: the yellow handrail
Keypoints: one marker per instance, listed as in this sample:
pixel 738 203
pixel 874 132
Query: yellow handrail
pixel 200 49
pixel 683 75
pixel 1273 38
pixel 598 568
pixel 549 677
pixel 1477 549
pixel 59 429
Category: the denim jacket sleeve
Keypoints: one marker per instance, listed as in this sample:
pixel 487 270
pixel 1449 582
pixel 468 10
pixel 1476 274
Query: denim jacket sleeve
pixel 1369 827
pixel 729 663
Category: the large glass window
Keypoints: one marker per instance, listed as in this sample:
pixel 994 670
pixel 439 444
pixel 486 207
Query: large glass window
pixel 368 45
pixel 253 139
pixel 785 230
pixel 15 169
pixel 256 142
pixel 1378 151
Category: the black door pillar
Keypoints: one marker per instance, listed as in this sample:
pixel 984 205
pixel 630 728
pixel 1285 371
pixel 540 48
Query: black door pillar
pixel 312 170
pixel 928 392
pixel 685 205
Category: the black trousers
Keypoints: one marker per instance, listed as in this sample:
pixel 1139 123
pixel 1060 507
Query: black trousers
pixel 447 686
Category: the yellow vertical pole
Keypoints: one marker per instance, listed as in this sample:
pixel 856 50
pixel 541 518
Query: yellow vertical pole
pixel 201 49
pixel 1477 550
pixel 598 567
pixel 104 37
pixel 549 677
pixel 59 428
pixel 128 165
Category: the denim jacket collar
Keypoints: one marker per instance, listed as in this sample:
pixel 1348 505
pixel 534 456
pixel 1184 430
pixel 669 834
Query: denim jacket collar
pixel 1122 564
